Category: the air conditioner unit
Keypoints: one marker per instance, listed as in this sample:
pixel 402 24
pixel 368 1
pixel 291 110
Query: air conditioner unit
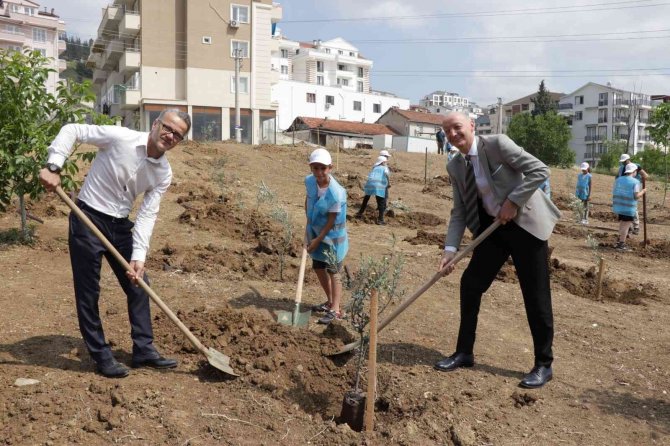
pixel 234 24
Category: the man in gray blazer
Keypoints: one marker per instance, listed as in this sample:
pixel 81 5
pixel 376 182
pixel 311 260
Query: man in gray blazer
pixel 496 179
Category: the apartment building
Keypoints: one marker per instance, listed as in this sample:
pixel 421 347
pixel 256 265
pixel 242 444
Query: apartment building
pixel 521 105
pixel 153 54
pixel 24 26
pixel 598 113
pixel 442 102
pixel 326 79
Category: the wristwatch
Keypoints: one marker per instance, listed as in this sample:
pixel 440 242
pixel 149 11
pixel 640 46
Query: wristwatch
pixel 53 168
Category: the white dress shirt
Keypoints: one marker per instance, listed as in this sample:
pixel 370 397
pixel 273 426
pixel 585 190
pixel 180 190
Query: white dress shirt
pixel 120 172
pixel 484 190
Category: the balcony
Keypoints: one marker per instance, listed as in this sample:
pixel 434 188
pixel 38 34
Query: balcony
pixel 110 20
pixel 602 103
pixel 94 60
pixel 16 38
pixel 621 136
pixel 130 24
pixel 589 138
pixel 565 106
pixel 620 120
pixel 99 77
pixel 113 52
pixel 621 103
pixel 643 103
pixel 98 45
pixel 130 98
pixel 602 120
pixel 62 46
pixel 130 61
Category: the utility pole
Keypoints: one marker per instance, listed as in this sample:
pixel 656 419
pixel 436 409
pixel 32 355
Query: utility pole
pixel 500 116
pixel 237 54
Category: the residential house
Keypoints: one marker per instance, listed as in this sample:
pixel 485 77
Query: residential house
pixel 598 113
pixel 337 133
pixel 326 79
pixel 154 54
pixel 416 130
pixel 483 125
pixel 521 105
pixel 24 26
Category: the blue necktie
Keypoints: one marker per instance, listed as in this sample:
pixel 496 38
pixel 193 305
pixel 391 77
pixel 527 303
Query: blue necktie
pixel 470 197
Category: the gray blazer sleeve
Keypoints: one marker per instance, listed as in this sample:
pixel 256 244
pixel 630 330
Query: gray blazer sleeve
pixel 457 225
pixel 534 171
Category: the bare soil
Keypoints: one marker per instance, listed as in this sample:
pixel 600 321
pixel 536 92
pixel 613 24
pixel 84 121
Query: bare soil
pixel 214 260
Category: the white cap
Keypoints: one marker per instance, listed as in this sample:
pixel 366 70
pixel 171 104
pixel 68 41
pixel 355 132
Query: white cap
pixel 453 149
pixel 321 156
pixel 385 153
pixel 584 166
pixel 624 157
pixel 630 168
pixel 380 159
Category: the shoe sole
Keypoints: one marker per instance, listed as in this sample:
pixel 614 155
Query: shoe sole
pixel 455 368
pixel 149 366
pixel 113 376
pixel 526 386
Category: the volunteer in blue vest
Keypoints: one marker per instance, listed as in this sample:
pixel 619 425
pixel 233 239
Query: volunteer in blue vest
pixel 640 175
pixel 627 190
pixel 377 185
pixel 583 191
pixel 326 233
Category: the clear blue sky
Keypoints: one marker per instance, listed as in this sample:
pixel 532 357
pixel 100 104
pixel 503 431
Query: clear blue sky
pixel 481 49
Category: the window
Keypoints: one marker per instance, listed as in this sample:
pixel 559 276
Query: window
pixel 12 29
pixel 602 115
pixel 360 86
pixel 330 100
pixel 602 99
pixel 207 40
pixel 42 51
pixel 15 7
pixel 351 53
pixel 340 52
pixel 244 84
pixel 39 35
pixel 524 107
pixel 284 69
pixel 578 116
pixel 376 108
pixel 284 54
pixel 341 67
pixel 240 45
pixel 319 66
pixel 342 82
pixel 360 71
pixel 319 80
pixel 311 98
pixel 579 100
pixel 327 50
pixel 239 13
pixel 357 106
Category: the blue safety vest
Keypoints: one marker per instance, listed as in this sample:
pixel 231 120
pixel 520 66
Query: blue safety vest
pixel 583 181
pixel 623 196
pixel 336 240
pixel 377 182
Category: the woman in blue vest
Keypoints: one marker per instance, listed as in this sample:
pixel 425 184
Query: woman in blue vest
pixel 326 233
pixel 583 191
pixel 627 190
pixel 640 175
pixel 377 185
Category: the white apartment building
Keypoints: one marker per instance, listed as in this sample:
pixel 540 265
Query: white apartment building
pixel 442 102
pixel 24 26
pixel 154 54
pixel 326 80
pixel 602 112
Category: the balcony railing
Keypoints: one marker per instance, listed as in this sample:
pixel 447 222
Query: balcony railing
pixel 602 103
pixel 602 119
pixel 594 138
pixel 565 106
pixel 621 102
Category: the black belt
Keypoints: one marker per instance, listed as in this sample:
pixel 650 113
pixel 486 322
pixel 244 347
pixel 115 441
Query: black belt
pixel 84 207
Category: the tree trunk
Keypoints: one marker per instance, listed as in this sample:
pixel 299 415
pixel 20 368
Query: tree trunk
pixel 24 219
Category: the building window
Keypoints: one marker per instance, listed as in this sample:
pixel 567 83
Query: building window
pixel 284 54
pixel 12 29
pixel 327 50
pixel 524 107
pixel 578 116
pixel 360 86
pixel 207 40
pixel 284 69
pixel 357 106
pixel 206 124
pixel 42 51
pixel 342 82
pixel 330 100
pixel 242 46
pixel 376 108
pixel 319 66
pixel 602 99
pixel 244 84
pixel 319 80
pixel 311 98
pixel 602 116
pixel 579 100
pixel 351 53
pixel 340 52
pixel 39 35
pixel 239 13
pixel 360 71
pixel 341 67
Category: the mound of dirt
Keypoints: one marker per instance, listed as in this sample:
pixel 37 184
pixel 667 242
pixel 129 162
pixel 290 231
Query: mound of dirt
pixel 415 219
pixel 439 186
pixel 426 238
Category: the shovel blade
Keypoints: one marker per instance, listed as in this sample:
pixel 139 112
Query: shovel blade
pixel 292 318
pixel 220 361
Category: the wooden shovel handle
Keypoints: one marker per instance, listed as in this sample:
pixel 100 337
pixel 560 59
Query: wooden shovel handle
pixel 119 258
pixel 301 276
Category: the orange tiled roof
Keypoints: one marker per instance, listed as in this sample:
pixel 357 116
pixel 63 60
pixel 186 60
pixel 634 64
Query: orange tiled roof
pixel 335 125
pixel 414 116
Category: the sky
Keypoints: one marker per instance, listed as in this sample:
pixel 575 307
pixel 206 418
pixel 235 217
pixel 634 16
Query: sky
pixel 479 49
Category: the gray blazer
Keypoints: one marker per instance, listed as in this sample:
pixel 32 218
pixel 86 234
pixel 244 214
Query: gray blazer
pixel 512 173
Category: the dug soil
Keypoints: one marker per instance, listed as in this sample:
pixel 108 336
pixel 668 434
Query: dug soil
pixel 223 259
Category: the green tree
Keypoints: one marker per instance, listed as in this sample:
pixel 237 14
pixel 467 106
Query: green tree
pixel 546 136
pixel 30 118
pixel 660 134
pixel 543 101
pixel 609 160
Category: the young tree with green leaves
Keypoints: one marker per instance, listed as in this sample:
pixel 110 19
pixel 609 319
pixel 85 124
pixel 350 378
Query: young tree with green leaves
pixel 543 102
pixel 30 118
pixel 660 134
pixel 545 136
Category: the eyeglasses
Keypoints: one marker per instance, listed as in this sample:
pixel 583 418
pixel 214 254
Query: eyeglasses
pixel 175 134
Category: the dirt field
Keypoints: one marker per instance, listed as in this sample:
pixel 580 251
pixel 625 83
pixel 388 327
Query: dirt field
pixel 214 261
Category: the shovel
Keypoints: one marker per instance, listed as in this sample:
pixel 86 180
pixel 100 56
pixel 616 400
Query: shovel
pixel 296 318
pixel 410 300
pixel 216 359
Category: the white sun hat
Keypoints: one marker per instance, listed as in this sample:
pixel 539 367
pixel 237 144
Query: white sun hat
pixel 584 166
pixel 321 156
pixel 624 157
pixel 385 153
pixel 630 168
pixel 380 159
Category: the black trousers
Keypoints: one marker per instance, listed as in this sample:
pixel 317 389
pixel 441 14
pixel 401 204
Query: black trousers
pixel 530 260
pixel 86 252
pixel 381 205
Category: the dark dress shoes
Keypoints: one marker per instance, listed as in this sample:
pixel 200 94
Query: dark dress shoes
pixel 155 363
pixel 455 361
pixel 112 369
pixel 538 377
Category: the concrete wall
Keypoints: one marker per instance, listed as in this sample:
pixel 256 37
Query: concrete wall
pixel 414 145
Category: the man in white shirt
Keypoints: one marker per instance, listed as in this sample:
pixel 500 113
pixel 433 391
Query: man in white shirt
pixel 496 179
pixel 128 163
